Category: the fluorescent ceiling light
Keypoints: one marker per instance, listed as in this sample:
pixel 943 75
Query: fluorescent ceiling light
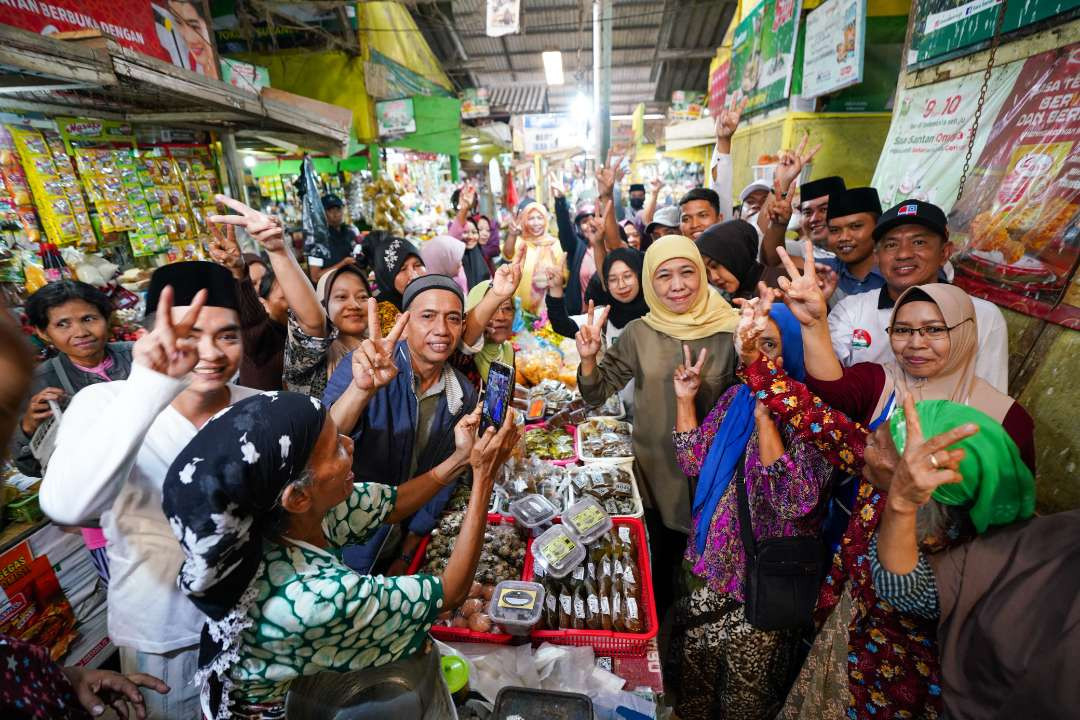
pixel 581 106
pixel 478 158
pixel 553 67
pixel 249 161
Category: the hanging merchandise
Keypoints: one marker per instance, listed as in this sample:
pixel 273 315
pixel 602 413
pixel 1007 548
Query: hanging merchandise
pixel 313 215
pixel 503 17
pixel 388 213
pixel 113 185
pixel 54 187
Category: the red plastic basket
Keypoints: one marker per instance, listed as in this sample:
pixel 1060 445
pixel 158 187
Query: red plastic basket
pixel 572 430
pixel 609 642
pixel 453 634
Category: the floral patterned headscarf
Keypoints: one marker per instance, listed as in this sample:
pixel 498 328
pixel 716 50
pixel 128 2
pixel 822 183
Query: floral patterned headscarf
pixel 219 496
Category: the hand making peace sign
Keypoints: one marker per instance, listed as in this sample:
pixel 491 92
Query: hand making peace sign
pixel 170 348
pixel 589 337
pixel 802 292
pixel 753 320
pixel 791 165
pixel 266 231
pixel 373 363
pixel 225 251
pixel 688 375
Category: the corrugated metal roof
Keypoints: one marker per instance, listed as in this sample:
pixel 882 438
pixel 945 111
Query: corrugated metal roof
pixel 518 99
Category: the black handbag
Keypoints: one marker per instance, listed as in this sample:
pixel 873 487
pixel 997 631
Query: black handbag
pixel 782 574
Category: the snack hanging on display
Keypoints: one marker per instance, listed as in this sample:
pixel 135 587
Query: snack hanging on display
pixel 385 197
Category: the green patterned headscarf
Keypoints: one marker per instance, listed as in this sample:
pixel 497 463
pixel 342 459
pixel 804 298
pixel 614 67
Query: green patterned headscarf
pixel 503 352
pixel 997 487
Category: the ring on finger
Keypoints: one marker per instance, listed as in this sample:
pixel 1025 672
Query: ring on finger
pixel 934 462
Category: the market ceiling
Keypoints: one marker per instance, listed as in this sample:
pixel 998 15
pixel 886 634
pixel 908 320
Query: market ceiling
pixel 658 46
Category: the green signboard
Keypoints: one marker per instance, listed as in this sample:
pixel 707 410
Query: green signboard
pixel 943 27
pixel 763 54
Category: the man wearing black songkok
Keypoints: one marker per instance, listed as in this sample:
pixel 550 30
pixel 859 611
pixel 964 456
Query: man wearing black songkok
pixel 114 448
pixel 814 207
pixel 851 217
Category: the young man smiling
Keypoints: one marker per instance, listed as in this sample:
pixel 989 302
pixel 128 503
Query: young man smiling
pixel 114 448
pixel 912 248
pixel 851 217
pixel 699 209
pixel 403 418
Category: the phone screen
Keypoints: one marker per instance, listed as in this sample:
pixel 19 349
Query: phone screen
pixel 497 394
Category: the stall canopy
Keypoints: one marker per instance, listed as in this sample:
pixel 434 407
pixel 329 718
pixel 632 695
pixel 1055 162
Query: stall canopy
pixel 97 77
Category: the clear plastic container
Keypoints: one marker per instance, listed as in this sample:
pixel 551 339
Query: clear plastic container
pixel 534 512
pixel 587 520
pixel 516 606
pixel 557 553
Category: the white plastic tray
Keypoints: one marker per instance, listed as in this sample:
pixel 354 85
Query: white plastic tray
pixel 587 459
pixel 628 466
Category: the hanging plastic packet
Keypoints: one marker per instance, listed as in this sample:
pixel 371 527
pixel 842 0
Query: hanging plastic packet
pixel 313 217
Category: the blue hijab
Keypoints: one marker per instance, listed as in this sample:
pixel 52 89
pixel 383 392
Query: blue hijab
pixel 729 445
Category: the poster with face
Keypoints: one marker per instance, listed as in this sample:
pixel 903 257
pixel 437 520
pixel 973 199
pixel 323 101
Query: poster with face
pixel 183 29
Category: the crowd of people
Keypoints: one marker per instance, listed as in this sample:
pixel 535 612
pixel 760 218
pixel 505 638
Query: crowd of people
pixel 838 490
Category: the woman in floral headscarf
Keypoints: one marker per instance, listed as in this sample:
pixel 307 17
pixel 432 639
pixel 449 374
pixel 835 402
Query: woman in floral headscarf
pixel 538 252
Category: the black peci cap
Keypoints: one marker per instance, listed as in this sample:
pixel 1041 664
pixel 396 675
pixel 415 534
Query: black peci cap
pixel 832 185
pixel 853 201
pixel 913 212
pixel 187 279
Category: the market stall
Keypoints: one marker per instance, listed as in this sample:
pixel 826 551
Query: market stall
pixel 109 162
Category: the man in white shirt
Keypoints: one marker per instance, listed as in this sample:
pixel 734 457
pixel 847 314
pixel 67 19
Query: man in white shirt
pixel 114 447
pixel 912 248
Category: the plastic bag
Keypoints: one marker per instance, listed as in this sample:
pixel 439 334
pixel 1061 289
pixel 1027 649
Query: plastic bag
pixel 313 217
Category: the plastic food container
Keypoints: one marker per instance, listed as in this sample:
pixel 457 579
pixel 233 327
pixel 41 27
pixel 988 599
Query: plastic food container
pixel 557 553
pixel 516 606
pixel 534 512
pixel 515 703
pixel 586 520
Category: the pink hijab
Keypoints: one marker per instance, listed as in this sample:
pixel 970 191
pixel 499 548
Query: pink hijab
pixel 442 255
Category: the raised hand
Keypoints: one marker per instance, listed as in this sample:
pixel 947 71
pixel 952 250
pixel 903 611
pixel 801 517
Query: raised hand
pixel 170 348
pixel 791 164
pixel 828 279
pixel 802 293
pixel 656 185
pixel 727 121
pixel 555 185
pixel 225 251
pixel 373 363
pixel 467 197
pixel 506 280
pixel 609 174
pixel 265 230
pixel 753 320
pixel 688 375
pixel 778 206
pixel 925 464
pixel 589 337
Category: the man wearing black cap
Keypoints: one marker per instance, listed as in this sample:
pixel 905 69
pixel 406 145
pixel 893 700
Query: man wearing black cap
pixel 814 209
pixel 340 240
pixel 912 248
pixel 852 216
pixel 406 427
pixel 115 445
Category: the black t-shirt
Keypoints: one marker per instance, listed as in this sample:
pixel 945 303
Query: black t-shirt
pixel 340 241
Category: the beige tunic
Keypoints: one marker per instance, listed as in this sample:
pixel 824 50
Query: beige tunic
pixel 650 358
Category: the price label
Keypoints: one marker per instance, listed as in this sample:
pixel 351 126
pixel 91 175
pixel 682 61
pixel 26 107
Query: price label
pixel 587 519
pixel 556 549
pixel 594 605
pixel 631 608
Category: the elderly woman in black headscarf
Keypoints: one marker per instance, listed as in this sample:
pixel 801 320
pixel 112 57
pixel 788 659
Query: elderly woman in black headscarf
pixel 730 250
pixel 262 501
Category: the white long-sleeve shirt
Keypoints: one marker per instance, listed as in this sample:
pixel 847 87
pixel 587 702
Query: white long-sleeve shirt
pixel 114 448
pixel 723 172
pixel 857 325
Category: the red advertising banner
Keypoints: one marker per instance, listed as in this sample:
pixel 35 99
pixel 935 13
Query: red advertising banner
pixel 1018 223
pixel 176 31
pixel 718 83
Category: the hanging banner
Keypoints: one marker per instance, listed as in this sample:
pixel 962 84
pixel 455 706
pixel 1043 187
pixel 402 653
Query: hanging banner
pixel 245 76
pixel 835 47
pixel 718 85
pixel 763 54
pixel 686 105
pixel 395 117
pixel 941 27
pixel 924 151
pixel 475 103
pixel 503 17
pixel 553 131
pixel 1017 227
pixel 170 30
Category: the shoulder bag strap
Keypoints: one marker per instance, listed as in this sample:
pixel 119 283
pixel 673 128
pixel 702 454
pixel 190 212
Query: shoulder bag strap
pixel 61 372
pixel 746 528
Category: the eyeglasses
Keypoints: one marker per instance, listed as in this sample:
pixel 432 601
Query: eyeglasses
pixel 934 332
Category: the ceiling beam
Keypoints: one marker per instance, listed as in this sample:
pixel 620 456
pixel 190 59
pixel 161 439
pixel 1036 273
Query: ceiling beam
pixel 700 53
pixel 509 61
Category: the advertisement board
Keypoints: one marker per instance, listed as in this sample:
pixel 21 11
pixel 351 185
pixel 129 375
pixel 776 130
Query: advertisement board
pixel 475 103
pixel 395 117
pixel 835 47
pixel 686 105
pixel 718 85
pixel 763 54
pixel 176 32
pixel 942 27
